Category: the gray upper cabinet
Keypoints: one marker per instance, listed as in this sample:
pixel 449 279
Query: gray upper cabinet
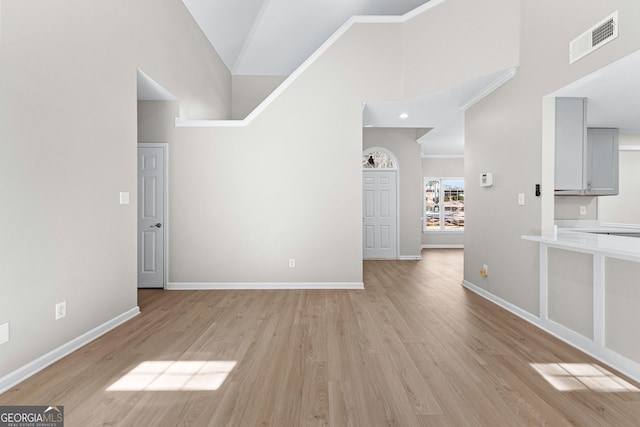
pixel 586 159
pixel 602 161
pixel 570 144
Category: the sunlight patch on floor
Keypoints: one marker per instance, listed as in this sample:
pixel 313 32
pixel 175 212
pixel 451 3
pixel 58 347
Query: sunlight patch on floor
pixel 582 376
pixel 174 375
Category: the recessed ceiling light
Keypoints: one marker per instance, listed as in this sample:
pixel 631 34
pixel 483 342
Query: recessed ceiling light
pixel 403 116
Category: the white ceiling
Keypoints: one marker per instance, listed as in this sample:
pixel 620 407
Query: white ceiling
pixel 273 37
pixel 613 95
pixel 441 110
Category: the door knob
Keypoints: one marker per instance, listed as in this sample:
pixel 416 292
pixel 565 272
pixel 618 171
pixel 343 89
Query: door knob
pixel 156 225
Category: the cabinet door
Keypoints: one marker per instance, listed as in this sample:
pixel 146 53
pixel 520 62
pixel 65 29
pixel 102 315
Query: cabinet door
pixel 570 141
pixel 602 161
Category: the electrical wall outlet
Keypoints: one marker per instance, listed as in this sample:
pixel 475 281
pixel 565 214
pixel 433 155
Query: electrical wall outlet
pixel 484 271
pixel 292 263
pixel 583 210
pixel 4 333
pixel 61 310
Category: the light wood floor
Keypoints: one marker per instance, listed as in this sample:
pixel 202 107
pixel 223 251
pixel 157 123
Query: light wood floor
pixel 413 349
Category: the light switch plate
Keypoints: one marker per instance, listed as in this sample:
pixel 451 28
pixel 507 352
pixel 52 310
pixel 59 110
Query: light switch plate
pixel 124 197
pixel 521 199
pixel 4 333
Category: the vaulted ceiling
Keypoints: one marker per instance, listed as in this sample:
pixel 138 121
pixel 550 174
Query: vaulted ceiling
pixel 273 37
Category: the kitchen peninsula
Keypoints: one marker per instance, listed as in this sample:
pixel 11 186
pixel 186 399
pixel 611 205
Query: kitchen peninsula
pixel 590 290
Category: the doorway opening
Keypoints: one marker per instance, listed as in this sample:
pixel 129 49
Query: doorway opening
pixel 152 215
pixel 380 204
pixel 155 106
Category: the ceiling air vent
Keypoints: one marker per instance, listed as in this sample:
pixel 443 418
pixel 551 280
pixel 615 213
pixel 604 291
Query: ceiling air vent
pixel 597 36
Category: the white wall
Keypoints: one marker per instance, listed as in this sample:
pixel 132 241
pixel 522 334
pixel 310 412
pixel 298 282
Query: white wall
pixel 625 207
pixel 248 92
pixel 402 143
pixel 68 132
pixel 442 167
pixel 242 200
pixel 288 184
pixel 504 134
pixel 568 207
pixel 456 33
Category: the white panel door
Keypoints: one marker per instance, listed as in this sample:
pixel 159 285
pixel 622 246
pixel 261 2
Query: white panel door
pixel 151 225
pixel 379 211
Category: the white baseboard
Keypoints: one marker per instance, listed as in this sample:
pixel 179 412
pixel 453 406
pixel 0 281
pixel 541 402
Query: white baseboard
pixel 436 246
pixel 42 362
pixel 410 257
pixel 502 303
pixel 193 286
pixel 605 355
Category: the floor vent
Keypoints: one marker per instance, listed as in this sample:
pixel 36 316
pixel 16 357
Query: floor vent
pixel 597 36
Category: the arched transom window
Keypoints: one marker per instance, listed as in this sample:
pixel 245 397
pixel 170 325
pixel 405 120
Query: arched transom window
pixel 378 160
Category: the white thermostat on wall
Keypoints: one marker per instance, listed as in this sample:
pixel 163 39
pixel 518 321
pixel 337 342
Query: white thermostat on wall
pixel 486 179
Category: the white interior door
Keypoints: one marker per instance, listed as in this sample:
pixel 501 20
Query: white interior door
pixel 151 216
pixel 380 217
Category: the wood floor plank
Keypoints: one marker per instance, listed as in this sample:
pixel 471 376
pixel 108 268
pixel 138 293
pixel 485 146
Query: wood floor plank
pixel 342 404
pixel 315 395
pixel 447 391
pixel 414 348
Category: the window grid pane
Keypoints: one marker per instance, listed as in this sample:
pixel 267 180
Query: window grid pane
pixel 444 204
pixel 432 203
pixel 453 204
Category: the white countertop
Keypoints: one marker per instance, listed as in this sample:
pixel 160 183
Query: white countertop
pixel 594 226
pixel 583 239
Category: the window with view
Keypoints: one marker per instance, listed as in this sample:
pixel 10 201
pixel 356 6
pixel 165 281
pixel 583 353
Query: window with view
pixel 443 204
